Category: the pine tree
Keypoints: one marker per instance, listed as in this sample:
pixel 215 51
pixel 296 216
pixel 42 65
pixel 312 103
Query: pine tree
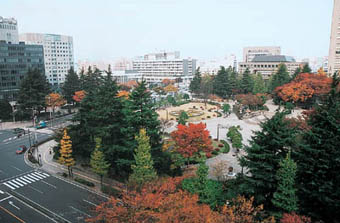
pixel 33 89
pixel 267 148
pixel 306 69
pixel 71 85
pixel 5 110
pixel 66 153
pixel 143 170
pixel 284 199
pixel 183 117
pixel 247 82
pixel 296 72
pixel 98 162
pixel 140 113
pixel 221 83
pixel 195 84
pixel 318 160
pixel 259 84
pixel 234 84
pixel 280 78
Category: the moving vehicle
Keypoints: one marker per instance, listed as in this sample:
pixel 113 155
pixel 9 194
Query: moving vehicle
pixel 21 149
pixel 18 130
pixel 41 125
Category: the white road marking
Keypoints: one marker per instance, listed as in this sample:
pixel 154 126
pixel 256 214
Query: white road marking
pixel 1 192
pixel 6 198
pixel 48 184
pixel 37 176
pixel 28 179
pixel 12 184
pixel 17 179
pixel 35 189
pixel 16 182
pixel 9 186
pixel 25 180
pixel 16 168
pixel 80 211
pixel 89 202
pixel 42 174
pixel 11 203
pixel 32 176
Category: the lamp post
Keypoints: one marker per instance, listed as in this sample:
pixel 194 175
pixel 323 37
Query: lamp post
pixel 218 129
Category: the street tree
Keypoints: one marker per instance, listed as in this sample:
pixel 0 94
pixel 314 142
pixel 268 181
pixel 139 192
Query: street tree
pixel 143 170
pixel 33 89
pixel 65 151
pixel 98 163
pixel 54 100
pixel 71 85
pixel 285 199
pixel 5 110
pixel 226 109
pixel 183 117
pixel 79 96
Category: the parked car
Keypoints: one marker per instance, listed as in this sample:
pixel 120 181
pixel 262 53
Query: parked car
pixel 21 149
pixel 18 130
pixel 41 125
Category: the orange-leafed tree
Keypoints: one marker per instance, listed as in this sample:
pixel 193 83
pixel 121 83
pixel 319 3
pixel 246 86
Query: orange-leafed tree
pixel 124 94
pixel 192 139
pixel 170 88
pixel 294 218
pixel 79 95
pixel 304 88
pixel 162 201
pixel 54 100
pixel 166 82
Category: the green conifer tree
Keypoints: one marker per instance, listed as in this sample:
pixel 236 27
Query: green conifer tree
pixel 285 199
pixel 71 85
pixel 280 78
pixel 143 170
pixel 183 117
pixel 247 83
pixel 221 83
pixel 195 84
pixel 259 84
pixel 306 69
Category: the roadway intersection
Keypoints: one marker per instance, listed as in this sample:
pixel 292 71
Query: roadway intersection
pixel 31 195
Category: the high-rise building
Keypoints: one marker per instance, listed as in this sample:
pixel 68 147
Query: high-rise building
pixel 9 30
pixel 334 46
pixel 15 61
pixel 58 54
pixel 156 67
pixel 250 52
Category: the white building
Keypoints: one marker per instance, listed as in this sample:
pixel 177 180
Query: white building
pixel 166 65
pixel 212 66
pixel 9 30
pixel 334 46
pixel 250 52
pixel 58 54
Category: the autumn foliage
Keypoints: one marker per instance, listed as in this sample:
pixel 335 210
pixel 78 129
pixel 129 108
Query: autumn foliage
pixel 304 87
pixel 294 218
pixel 124 94
pixel 161 201
pixel 250 100
pixel 192 139
pixel 79 96
pixel 54 100
pixel 170 88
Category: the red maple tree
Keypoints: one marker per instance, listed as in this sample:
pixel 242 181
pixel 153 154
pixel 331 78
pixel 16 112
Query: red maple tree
pixel 294 218
pixel 192 139
pixel 79 96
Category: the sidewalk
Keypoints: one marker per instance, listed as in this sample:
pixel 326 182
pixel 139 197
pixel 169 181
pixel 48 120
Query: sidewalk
pixel 12 125
pixel 49 165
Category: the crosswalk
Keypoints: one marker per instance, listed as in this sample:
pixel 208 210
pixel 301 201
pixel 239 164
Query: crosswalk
pixel 25 180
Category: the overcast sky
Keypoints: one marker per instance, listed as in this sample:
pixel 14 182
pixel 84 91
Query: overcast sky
pixel 108 29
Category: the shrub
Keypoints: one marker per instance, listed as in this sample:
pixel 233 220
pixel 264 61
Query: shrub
pixel 220 145
pixel 226 148
pixel 216 140
pixel 85 182
pixel 171 119
pixel 217 149
pixel 110 191
pixel 64 174
pixel 208 116
pixel 223 141
pixel 208 155
pixel 215 152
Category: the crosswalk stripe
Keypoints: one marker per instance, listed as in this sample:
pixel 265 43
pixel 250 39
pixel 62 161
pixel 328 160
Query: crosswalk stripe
pixel 25 180
pixel 42 174
pixel 38 175
pixel 12 184
pixel 29 179
pixel 33 174
pixel 16 182
pixel 20 181
pixel 9 186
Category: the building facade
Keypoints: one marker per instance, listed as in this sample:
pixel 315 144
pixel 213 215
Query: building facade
pixel 58 54
pixel 9 30
pixel 334 46
pixel 15 61
pixel 268 65
pixel 249 53
pixel 159 66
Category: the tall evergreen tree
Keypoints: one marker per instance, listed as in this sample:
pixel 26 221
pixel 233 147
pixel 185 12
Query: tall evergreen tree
pixel 247 82
pixel 33 89
pixel 267 148
pixel 221 83
pixel 5 110
pixel 195 84
pixel 306 69
pixel 91 80
pixel 259 84
pixel 71 85
pixel 318 160
pixel 234 84
pixel 281 77
pixel 183 117
pixel 140 113
pixel 285 199
pixel 296 72
pixel 142 170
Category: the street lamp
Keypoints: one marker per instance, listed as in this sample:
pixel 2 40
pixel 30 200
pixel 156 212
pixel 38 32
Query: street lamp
pixel 218 129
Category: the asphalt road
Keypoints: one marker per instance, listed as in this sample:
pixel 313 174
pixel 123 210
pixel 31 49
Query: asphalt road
pixel 31 195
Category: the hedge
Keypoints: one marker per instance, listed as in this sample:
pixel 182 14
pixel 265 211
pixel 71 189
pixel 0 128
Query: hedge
pixel 85 182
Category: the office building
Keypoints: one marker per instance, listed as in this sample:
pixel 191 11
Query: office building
pixel 166 65
pixel 268 65
pixel 58 54
pixel 212 66
pixel 9 30
pixel 15 61
pixel 250 52
pixel 334 46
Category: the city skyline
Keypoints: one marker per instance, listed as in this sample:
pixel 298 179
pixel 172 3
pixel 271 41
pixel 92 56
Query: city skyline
pixel 196 28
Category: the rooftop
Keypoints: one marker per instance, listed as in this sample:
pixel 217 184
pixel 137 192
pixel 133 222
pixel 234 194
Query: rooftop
pixel 273 58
